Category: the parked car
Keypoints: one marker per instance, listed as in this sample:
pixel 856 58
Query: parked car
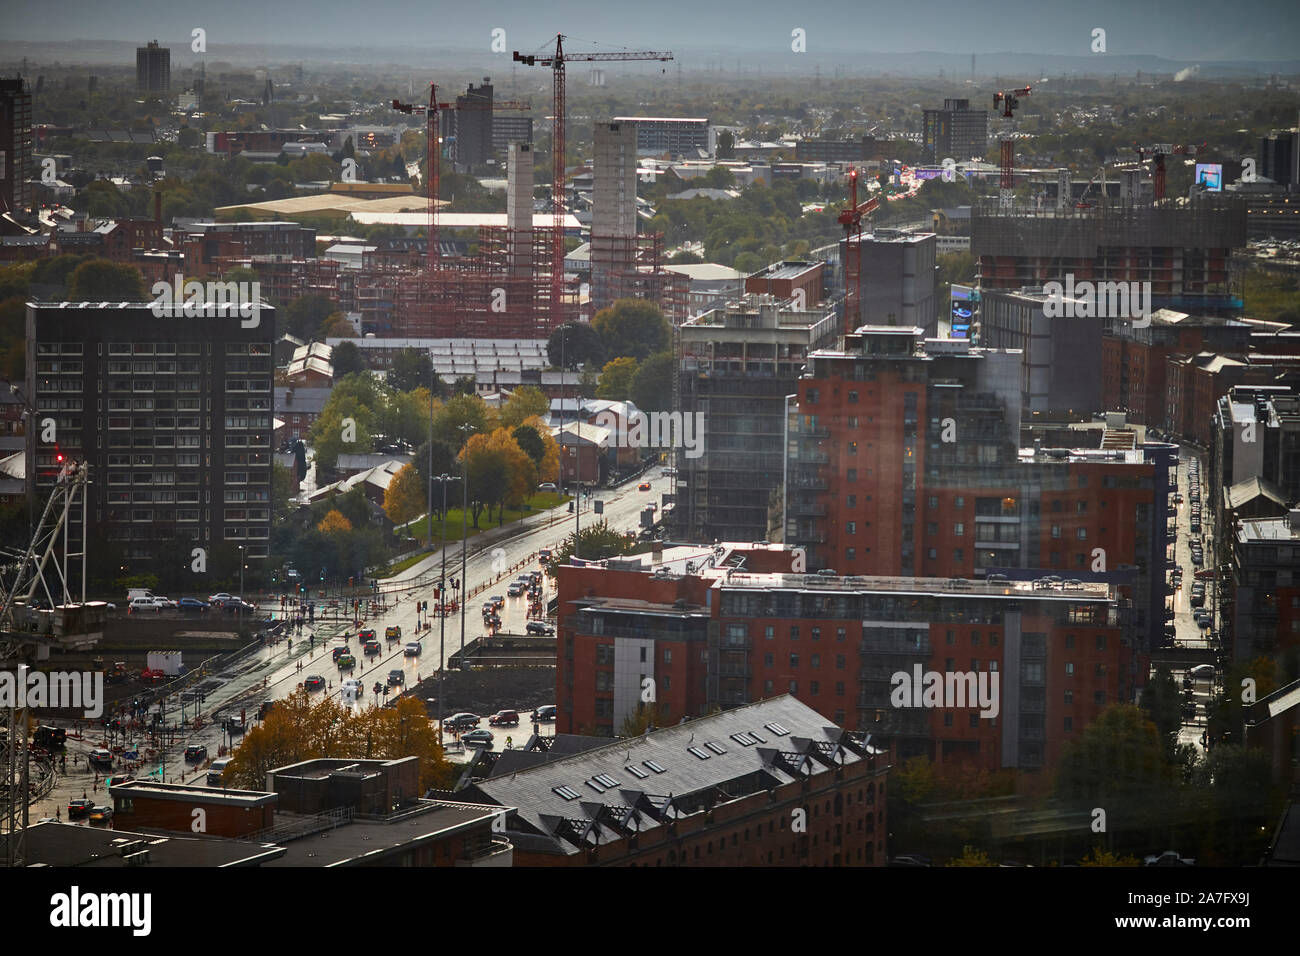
pixel 412 649
pixel 463 721
pixel 547 486
pixel 543 554
pixel 478 738
pixel 314 682
pixel 1168 858
pixel 215 770
pixel 79 808
pixel 144 604
pixel 192 604
pixel 392 633
pixel 346 662
pixel 540 628
pixel 372 648
pixel 196 753
pixel 396 678
pixel 1202 671
pixel 221 598
pixel 544 713
pixel 101 814
pixel 504 718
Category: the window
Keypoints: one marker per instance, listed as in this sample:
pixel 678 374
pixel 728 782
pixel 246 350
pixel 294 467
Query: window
pixel 1083 534
pixel 947 719
pixel 794 632
pixel 816 636
pixel 1056 531
pixel 853 398
pixel 959 529
pixel 851 527
pixel 794 660
pixel 716 747
pixel 768 661
pixel 932 502
pixel 853 501
pixel 769 632
pixel 840 634
pixel 814 690
pixel 654 766
pixel 794 687
pixel 1069 669
pixel 1069 642
pixel 1101 642
pixel 568 793
pixel 643 655
pixel 1099 698
pixel 959 502
pixel 839 688
pixel 1069 697
pixel 668 655
pixel 852 474
pixel 850 554
pixel 702 754
pixel 839 662
pixel 1069 724
pixel 975 638
pixel 637 772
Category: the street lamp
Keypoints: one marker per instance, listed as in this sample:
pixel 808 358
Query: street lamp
pixel 442 597
pixel 428 515
pixel 464 520
pixel 241 586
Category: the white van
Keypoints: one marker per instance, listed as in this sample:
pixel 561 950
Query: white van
pixel 134 593
pixel 214 771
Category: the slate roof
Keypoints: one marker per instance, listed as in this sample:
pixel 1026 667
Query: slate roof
pixel 629 785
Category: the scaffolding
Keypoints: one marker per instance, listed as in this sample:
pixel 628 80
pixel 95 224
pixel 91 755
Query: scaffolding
pixel 631 267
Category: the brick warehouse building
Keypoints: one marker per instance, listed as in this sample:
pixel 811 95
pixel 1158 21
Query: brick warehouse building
pixel 908 462
pixel 172 414
pixel 722 790
pixel 710 635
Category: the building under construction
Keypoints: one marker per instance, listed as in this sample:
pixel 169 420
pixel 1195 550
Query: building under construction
pixel 1183 248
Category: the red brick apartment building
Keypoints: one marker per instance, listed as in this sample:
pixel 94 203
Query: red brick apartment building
pixel 716 627
pixel 766 784
pixel 908 462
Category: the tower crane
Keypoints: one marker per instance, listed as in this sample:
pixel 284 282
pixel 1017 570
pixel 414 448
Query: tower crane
pixel 1008 100
pixel 851 220
pixel 556 62
pixel 1158 154
pixel 430 111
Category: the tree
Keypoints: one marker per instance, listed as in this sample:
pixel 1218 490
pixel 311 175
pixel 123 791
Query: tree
pixel 645 717
pixel 405 499
pixel 1162 704
pixel 972 856
pixel 726 145
pixel 525 402
pixel 347 360
pixel 548 466
pixel 412 369
pixel 1099 857
pixel 616 379
pixel 100 280
pixel 652 385
pixel 632 327
pixel 336 326
pixel 284 488
pixel 457 411
pixel 527 438
pixel 574 344
pixel 303 316
pixel 593 543
pixel 334 523
pixel 485 470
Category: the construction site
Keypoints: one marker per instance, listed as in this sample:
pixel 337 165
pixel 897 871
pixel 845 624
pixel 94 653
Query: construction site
pixel 512 282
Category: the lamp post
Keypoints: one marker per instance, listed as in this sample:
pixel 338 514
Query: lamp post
pixel 442 601
pixel 464 519
pixel 241 587
pixel 428 515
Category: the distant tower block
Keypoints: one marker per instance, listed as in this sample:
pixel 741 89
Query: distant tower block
pixel 1063 188
pixel 613 213
pixel 519 207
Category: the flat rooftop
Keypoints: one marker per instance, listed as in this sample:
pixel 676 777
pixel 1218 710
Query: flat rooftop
pixel 68 844
pixel 352 843
pixel 182 793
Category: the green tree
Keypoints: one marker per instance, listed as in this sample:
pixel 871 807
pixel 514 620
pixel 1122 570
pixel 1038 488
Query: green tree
pixel 652 385
pixel 1163 706
pixel 528 439
pixel 632 327
pixel 347 360
pixel 574 344
pixel 100 280
pixel 412 369
pixel 457 411
pixel 616 379
pixel 302 317
pixel 284 488
pixel 335 325
pixel 524 402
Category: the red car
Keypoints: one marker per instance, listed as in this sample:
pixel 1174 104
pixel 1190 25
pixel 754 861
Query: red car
pixel 504 718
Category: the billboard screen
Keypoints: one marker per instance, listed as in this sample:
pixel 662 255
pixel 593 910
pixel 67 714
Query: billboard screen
pixel 1210 175
pixel 963 300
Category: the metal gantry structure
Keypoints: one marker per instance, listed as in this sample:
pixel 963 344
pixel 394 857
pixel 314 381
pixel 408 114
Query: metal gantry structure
pixel 39 611
pixel 851 220
pixel 556 62
pixel 1008 101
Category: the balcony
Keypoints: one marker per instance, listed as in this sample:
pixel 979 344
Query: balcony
pixel 498 852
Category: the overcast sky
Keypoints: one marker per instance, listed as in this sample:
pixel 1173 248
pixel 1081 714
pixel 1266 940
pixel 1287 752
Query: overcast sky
pixel 1203 30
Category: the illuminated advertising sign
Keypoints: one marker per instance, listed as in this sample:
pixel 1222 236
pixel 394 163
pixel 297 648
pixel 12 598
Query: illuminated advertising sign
pixel 1210 175
pixel 962 305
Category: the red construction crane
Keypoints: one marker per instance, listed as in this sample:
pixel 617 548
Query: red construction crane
pixel 556 63
pixel 1009 100
pixel 851 220
pixel 1158 153
pixel 435 153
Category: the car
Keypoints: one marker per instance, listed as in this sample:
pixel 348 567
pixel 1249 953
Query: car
pixel 340 651
pixel 314 682
pixel 367 635
pixel 196 753
pixel 478 738
pixel 412 649
pixel 540 628
pixel 144 604
pixel 498 601
pixel 101 814
pixel 164 601
pixel 1168 858
pixel 346 662
pixel 237 605
pixel 544 713
pixel 493 621
pixel 101 758
pixel 396 678
pixel 221 598
pixel 534 577
pixel 392 633
pixel 79 808
pixel 547 486
pixel 516 588
pixel 543 554
pixel 644 486
pixel 1204 623
pixel 1202 672
pixel 1197 558
pixel 351 688
pixel 372 648
pixel 192 604
pixel 214 771
pixel 463 721
pixel 504 718
pixel 910 859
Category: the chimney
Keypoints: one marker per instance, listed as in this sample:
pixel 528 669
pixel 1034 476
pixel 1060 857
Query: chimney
pixel 1295 521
